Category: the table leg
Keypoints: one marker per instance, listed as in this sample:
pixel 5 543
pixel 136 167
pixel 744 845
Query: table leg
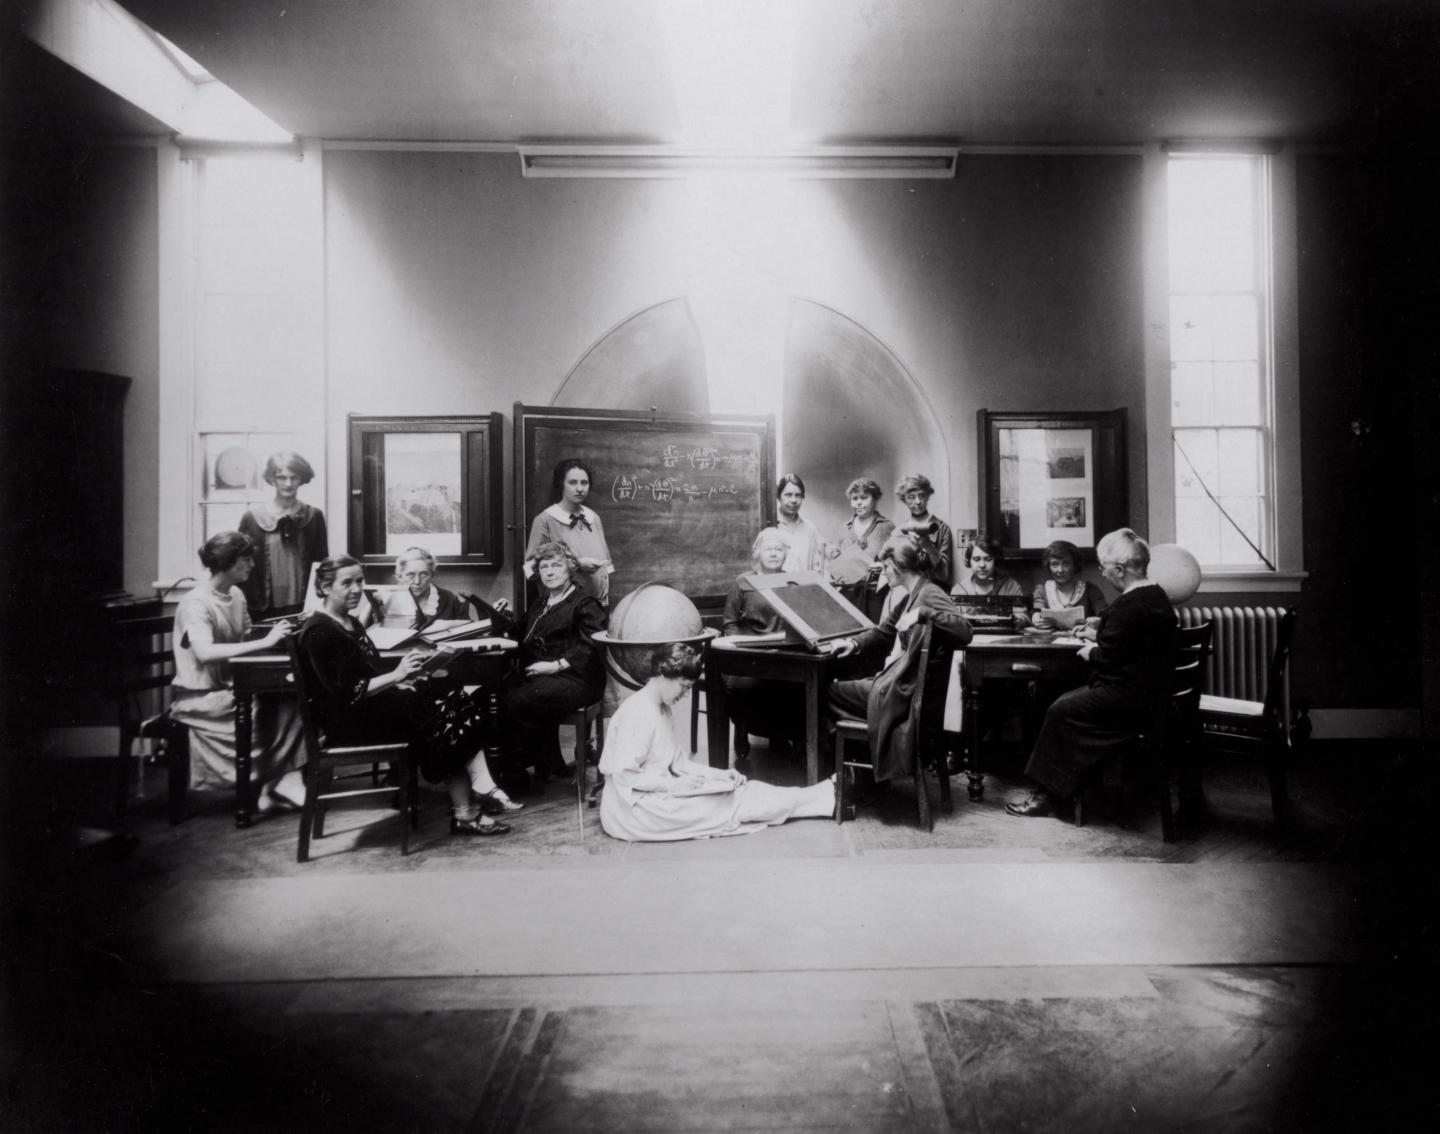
pixel 243 728
pixel 717 721
pixel 975 788
pixel 812 727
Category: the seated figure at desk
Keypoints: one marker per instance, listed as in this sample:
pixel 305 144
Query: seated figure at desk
pixel 1065 589
pixel 560 668
pixel 985 578
pixel 771 704
pixel 212 625
pixel 418 601
pixel 654 792
pixel 1132 658
pixel 884 700
pixel 361 702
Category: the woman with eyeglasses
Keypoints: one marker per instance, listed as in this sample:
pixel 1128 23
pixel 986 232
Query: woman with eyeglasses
pixel 419 601
pixel 289 537
pixel 1132 660
pixel 914 492
pixel 654 791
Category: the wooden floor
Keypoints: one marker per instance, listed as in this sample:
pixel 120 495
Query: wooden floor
pixel 94 1041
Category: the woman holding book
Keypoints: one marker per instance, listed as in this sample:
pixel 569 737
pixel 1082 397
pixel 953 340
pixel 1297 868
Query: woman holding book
pixel 654 792
pixel 360 702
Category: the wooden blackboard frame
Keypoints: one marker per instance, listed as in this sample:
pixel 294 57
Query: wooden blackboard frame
pixel 528 418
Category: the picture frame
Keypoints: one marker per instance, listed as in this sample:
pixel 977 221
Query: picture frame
pixel 432 482
pixel 1049 476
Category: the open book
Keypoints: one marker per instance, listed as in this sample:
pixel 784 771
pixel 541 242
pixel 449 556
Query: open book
pixel 453 629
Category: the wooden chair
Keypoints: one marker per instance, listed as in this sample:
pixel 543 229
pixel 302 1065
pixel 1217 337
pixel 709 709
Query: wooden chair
pixel 322 760
pixel 587 721
pixel 927 717
pixel 1165 747
pixel 1263 725
pixel 145 671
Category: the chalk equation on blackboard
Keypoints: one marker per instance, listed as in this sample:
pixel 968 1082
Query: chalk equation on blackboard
pixel 663 489
pixel 703 458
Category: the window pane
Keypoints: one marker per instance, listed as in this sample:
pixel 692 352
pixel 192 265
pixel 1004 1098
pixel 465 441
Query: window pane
pixel 1246 512
pixel 1191 328
pixel 1192 393
pixel 1196 460
pixel 1235 320
pixel 1236 394
pixel 1239 463
pixel 1221 259
pixel 1197 528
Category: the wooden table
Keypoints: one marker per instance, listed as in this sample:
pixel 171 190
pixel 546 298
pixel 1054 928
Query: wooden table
pixel 811 670
pixel 1015 657
pixel 268 675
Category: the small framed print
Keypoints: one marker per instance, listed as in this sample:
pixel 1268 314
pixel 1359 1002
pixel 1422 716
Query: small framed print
pixel 431 482
pixel 1045 477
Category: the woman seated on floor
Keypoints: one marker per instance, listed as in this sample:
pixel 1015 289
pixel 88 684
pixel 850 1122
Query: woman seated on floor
pixel 418 601
pixel 1132 655
pixel 360 702
pixel 884 700
pixel 560 668
pixel 212 625
pixel 654 792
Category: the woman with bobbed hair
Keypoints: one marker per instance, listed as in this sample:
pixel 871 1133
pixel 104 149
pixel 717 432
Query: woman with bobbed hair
pixel 884 700
pixel 1065 589
pixel 419 601
pixel 808 550
pixel 361 702
pixel 212 623
pixel 560 668
pixel 571 522
pixel 1132 660
pixel 654 792
pixel 289 537
pixel 914 492
pixel 866 530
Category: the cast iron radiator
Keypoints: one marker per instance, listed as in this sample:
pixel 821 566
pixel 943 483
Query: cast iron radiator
pixel 1240 654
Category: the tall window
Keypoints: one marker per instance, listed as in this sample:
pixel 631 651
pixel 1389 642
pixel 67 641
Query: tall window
pixel 1221 370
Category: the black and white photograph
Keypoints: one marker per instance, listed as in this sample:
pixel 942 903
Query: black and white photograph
pixel 717 565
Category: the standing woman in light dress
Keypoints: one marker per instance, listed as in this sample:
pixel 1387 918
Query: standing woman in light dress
pixel 654 792
pixel 212 624
pixel 571 522
pixel 808 550
pixel 289 537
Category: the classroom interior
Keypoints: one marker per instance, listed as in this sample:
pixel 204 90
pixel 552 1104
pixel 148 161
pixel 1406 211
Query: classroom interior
pixel 450 223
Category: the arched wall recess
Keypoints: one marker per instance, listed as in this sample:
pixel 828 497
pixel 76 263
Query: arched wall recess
pixel 851 408
pixel 651 358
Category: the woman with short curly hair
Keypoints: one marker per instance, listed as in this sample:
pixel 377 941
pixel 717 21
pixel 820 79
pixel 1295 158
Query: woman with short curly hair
pixel 289 537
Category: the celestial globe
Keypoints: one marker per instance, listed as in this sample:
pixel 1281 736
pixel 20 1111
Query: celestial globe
pixel 1176 570
pixel 649 616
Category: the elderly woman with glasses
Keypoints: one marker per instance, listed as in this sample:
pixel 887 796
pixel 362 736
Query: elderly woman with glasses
pixel 419 601
pixel 1132 658
pixel 914 492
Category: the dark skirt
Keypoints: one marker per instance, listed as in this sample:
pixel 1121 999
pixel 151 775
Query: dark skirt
pixel 397 714
pixel 532 708
pixel 1082 729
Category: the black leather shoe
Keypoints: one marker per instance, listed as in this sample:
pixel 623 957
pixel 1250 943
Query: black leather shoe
pixel 478 826
pixel 1036 804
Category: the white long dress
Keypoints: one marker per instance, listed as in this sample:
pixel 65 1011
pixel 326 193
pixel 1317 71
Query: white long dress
pixel 643 754
pixel 204 700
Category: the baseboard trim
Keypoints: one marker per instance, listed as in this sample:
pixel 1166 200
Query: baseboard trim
pixel 1366 724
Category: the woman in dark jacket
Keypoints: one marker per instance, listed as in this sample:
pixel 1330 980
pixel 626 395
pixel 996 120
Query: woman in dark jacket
pixel 1132 656
pixel 359 702
pixel 884 700
pixel 560 667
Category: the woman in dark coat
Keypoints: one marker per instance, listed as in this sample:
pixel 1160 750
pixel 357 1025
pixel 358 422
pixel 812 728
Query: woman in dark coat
pixel 560 667
pixel 1133 658
pixel 358 702
pixel 883 701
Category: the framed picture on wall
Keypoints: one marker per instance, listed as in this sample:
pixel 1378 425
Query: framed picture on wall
pixel 431 482
pixel 1051 476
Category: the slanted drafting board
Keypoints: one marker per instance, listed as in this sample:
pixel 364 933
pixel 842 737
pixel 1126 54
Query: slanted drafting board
pixel 682 496
pixel 812 610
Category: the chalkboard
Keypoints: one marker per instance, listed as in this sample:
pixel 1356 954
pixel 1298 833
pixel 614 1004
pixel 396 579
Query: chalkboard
pixel 682 496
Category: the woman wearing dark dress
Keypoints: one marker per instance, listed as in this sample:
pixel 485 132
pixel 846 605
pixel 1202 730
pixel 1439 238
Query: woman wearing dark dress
pixel 1132 655
pixel 560 667
pixel 768 703
pixel 288 535
pixel 360 703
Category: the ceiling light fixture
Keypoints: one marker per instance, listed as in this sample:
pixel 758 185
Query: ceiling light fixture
pixel 832 162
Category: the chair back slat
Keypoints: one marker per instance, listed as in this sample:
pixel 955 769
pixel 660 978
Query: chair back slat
pixel 1279 660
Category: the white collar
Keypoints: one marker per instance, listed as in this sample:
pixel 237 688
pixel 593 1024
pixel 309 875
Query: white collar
pixel 563 514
